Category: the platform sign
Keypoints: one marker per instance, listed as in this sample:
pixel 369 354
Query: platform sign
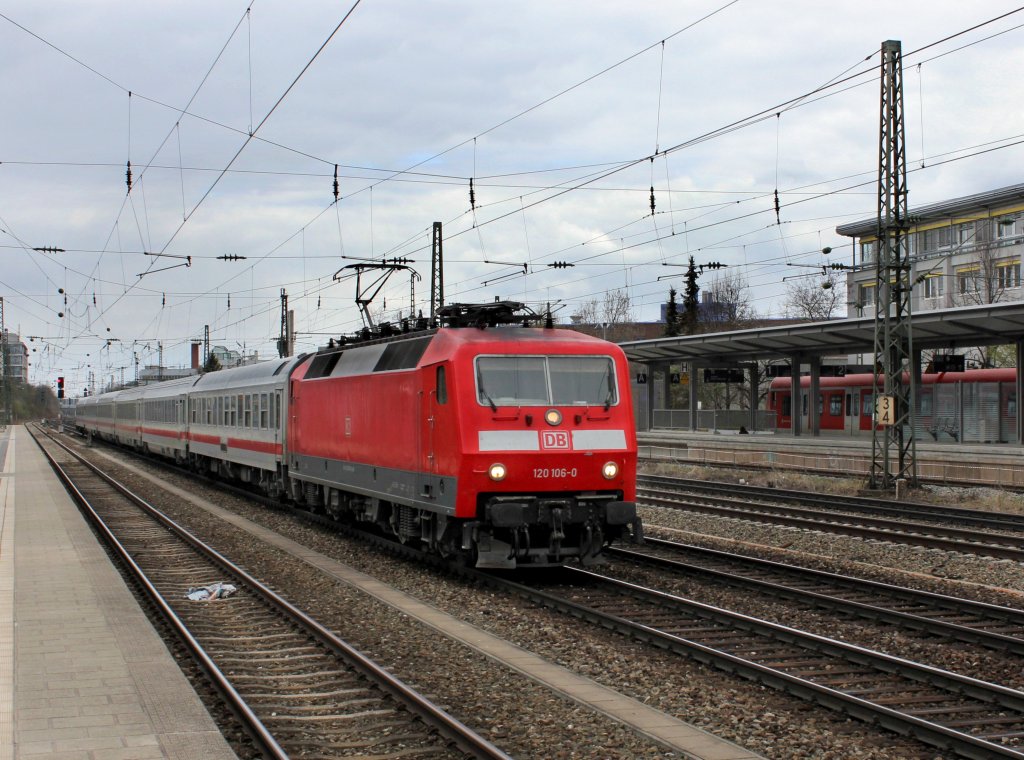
pixel 948 363
pixel 885 410
pixel 723 375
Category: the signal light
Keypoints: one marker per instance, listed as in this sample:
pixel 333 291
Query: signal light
pixel 60 387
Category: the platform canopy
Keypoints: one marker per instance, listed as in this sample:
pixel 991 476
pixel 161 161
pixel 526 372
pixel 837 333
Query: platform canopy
pixel 989 324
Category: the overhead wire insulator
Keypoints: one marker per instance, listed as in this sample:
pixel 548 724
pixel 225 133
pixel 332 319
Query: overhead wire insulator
pixel 778 220
pixel 652 200
pixel 560 264
pixel 335 183
pixel 128 176
pixel 472 195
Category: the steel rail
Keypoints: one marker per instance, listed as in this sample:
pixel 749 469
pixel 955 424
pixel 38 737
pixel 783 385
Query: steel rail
pixel 868 505
pixel 892 531
pixel 995 615
pixel 253 726
pixel 958 686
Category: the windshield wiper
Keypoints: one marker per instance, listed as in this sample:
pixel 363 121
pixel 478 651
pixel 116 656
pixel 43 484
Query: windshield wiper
pixel 611 391
pixel 494 407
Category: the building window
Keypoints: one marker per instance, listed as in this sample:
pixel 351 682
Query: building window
pixel 967 280
pixel 1008 274
pixel 965 233
pixel 1005 227
pixel 933 286
pixel 866 295
pixel 868 251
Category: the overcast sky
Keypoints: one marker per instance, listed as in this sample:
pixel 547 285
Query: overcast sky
pixel 552 108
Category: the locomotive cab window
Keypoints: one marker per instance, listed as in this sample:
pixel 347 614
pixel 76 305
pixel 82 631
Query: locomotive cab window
pixel 582 380
pixel 511 380
pixel 539 380
pixel 441 385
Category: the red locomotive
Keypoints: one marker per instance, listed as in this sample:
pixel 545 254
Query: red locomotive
pixel 974 405
pixel 507 445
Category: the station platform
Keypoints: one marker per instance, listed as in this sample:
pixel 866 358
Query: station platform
pixel 83 674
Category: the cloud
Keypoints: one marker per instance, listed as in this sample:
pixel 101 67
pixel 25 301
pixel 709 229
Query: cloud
pixel 436 86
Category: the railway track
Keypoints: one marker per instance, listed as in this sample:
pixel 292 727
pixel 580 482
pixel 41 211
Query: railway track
pixel 841 519
pixel 974 718
pixel 974 518
pixel 295 688
pixel 993 626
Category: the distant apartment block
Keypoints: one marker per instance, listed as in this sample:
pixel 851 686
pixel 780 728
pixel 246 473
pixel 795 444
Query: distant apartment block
pixel 17 357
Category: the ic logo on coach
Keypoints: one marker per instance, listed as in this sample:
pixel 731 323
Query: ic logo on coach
pixel 554 439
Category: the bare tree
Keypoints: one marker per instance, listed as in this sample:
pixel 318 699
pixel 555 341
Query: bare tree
pixel 812 299
pixel 610 314
pixel 728 291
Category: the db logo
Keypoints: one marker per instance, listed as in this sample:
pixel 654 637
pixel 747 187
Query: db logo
pixel 554 439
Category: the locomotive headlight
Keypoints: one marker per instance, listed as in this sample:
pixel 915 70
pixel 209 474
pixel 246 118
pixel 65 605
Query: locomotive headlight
pixel 610 470
pixel 552 416
pixel 497 472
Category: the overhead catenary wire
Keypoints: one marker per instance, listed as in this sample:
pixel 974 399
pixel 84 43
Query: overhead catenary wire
pixel 522 206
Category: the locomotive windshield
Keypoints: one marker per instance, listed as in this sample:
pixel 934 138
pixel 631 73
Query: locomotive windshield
pixel 545 380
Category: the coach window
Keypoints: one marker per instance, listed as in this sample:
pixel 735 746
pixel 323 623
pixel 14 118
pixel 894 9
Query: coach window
pixel 264 411
pixel 821 404
pixel 277 410
pixel 803 404
pixel 835 404
pixel 209 410
pixel 442 386
pixel 787 406
pixel 248 411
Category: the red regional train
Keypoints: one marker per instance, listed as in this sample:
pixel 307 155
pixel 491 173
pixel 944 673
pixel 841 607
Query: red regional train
pixel 977 405
pixel 508 446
